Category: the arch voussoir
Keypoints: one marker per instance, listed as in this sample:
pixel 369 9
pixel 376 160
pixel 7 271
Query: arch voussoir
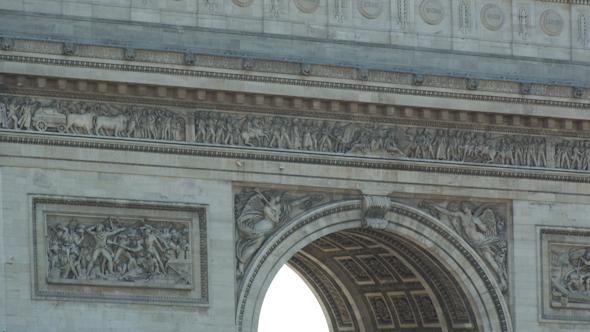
pixel 463 276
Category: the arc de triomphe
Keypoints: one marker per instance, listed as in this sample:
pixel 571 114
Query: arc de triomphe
pixel 422 164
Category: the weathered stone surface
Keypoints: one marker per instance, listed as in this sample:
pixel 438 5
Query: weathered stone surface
pixel 424 165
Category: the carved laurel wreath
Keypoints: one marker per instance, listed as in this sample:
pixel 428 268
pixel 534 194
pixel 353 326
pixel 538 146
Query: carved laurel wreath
pixel 243 3
pixel 361 7
pixel 484 20
pixel 307 9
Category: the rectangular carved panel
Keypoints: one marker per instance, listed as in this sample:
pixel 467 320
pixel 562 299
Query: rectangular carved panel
pixel 565 274
pixel 119 250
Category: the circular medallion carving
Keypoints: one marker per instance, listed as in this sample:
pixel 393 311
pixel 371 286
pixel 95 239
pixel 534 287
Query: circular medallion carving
pixel 492 17
pixel 431 12
pixel 307 6
pixel 551 22
pixel 370 8
pixel 243 3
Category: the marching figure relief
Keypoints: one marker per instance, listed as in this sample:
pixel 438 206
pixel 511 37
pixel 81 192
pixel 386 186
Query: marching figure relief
pixel 483 228
pixel 258 213
pixel 388 141
pixel 118 251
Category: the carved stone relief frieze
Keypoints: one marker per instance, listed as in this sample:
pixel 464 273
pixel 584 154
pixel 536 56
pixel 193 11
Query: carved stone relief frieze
pixel 565 273
pixel 573 155
pixel 259 213
pixel 91 119
pixel 90 248
pixel 387 141
pixel 484 229
pixel 117 251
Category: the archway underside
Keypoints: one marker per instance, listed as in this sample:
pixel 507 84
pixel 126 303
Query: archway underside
pixel 368 280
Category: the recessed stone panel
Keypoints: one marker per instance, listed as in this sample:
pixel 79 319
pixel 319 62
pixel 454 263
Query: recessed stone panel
pixel 118 251
pixel 565 274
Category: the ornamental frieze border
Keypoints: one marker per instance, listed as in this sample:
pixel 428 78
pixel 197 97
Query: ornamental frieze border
pixel 119 250
pixel 340 116
pixel 391 140
pixel 261 65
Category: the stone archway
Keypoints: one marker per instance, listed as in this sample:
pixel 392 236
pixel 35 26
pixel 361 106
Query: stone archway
pixel 406 271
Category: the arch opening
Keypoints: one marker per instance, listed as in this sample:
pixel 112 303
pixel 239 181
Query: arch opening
pixel 411 275
pixel 291 305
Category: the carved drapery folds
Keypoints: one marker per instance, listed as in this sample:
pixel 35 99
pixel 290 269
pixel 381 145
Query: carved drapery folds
pixel 258 214
pixel 374 210
pixel 483 227
pixel 91 119
pixel 390 141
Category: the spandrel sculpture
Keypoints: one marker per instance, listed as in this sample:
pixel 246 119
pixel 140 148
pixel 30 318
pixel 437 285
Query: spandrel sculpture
pixel 483 228
pixel 118 251
pixel 258 214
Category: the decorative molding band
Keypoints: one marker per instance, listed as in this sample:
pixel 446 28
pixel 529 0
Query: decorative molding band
pixel 394 114
pixel 303 159
pixel 261 65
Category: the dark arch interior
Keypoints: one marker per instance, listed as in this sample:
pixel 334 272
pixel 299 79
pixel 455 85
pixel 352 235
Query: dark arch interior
pixel 383 282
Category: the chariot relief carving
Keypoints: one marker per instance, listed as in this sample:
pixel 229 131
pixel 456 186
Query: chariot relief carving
pixel 91 119
pixel 259 213
pixel 483 227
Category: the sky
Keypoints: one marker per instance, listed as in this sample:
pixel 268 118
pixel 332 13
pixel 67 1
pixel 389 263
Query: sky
pixel 287 301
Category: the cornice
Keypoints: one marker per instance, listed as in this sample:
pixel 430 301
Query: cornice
pixel 101 91
pixel 253 70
